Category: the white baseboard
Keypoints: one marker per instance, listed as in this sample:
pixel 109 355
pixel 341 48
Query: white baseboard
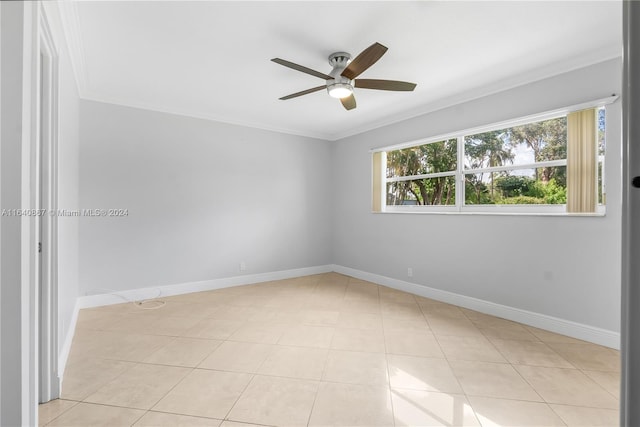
pixel 205 285
pixel 561 326
pixel 66 346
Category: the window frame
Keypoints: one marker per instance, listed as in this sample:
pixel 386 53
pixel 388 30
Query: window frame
pixel 460 207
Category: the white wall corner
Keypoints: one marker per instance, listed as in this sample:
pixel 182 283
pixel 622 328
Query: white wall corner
pixel 561 326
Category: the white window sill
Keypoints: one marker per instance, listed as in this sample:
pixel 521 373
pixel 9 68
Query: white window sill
pixel 493 210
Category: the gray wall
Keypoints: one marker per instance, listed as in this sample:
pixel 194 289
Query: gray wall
pixel 11 73
pixel 201 196
pixel 567 267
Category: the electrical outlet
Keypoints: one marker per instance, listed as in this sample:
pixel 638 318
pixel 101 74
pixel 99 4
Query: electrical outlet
pixel 243 266
pixel 409 272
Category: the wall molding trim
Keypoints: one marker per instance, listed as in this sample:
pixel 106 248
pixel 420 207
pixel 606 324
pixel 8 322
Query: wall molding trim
pixel 554 324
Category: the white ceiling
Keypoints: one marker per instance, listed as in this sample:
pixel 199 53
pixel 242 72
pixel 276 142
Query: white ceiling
pixel 212 59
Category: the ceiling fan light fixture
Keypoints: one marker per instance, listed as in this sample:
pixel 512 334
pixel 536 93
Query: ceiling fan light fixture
pixel 340 90
pixel 341 80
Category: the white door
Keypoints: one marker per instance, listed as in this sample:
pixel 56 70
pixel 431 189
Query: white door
pixel 630 348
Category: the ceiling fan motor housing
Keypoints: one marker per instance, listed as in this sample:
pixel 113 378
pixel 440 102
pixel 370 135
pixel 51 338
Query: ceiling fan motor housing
pixel 341 84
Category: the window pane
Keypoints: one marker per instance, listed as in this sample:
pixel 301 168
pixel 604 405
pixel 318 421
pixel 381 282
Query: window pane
pixel 601 128
pixel 430 191
pixel 601 149
pixel 601 193
pixel 541 186
pixel 529 143
pixel 428 158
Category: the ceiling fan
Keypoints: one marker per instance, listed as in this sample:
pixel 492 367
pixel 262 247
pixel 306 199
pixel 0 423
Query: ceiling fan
pixel 342 79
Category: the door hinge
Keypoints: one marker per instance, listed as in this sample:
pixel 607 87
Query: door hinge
pixel 39 247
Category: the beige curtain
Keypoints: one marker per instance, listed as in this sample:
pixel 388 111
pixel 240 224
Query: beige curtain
pixel 582 161
pixel 379 160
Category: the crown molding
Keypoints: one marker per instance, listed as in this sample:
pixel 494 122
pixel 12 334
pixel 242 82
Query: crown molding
pixel 532 76
pixel 70 18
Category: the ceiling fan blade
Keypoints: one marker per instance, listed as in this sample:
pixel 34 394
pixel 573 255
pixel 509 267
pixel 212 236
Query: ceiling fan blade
pixel 304 92
pixel 384 85
pixel 366 59
pixel 349 102
pixel 302 69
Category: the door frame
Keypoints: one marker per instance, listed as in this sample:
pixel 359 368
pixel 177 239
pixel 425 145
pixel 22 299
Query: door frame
pixel 46 227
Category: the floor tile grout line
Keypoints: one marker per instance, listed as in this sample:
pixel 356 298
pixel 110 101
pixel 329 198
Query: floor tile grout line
pixel 129 368
pixel 315 397
pixel 514 366
pixel 208 354
pixel 140 417
pixel 566 369
pixel 158 411
pixel 324 366
pixel 557 414
pixel 464 392
pixel 424 315
pixel 77 402
pixel 529 364
pixel 100 404
pixel 272 351
pixel 598 384
pixel 393 413
pixel 226 417
pixel 172 388
pixel 582 406
pixel 284 377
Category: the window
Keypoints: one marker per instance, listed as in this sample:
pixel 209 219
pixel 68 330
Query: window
pixel 520 165
pixel 422 175
pixel 553 164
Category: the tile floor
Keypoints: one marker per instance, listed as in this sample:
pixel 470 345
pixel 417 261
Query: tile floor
pixel 326 350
